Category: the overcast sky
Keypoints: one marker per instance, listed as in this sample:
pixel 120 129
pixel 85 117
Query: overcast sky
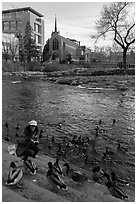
pixel 75 20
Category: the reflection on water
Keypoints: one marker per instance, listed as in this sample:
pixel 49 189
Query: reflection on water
pixel 77 109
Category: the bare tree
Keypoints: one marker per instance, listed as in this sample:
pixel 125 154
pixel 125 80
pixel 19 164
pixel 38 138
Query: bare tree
pixel 117 19
pixel 14 48
pixel 5 50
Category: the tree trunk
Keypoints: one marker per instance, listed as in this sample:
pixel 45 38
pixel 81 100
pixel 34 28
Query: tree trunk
pixel 125 60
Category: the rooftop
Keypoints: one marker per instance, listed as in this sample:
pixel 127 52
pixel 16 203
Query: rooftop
pixel 23 9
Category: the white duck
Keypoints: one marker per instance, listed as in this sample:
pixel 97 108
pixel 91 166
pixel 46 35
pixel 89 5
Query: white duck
pixel 15 174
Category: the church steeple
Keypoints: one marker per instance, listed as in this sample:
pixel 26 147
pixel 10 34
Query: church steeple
pixel 55 24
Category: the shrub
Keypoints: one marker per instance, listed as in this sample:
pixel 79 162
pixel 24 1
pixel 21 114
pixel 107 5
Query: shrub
pixel 12 66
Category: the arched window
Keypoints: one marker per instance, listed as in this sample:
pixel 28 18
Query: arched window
pixel 55 44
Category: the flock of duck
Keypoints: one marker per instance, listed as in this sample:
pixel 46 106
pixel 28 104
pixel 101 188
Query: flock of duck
pixel 56 172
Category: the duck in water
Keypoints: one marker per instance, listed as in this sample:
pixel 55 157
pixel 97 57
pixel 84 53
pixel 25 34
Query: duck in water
pixel 54 179
pixel 17 129
pixel 122 149
pixel 15 174
pixel 7 139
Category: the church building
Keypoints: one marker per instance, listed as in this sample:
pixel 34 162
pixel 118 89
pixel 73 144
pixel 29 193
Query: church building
pixel 63 49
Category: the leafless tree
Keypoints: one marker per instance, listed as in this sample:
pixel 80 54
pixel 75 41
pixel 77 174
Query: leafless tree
pixel 5 50
pixel 118 20
pixel 14 48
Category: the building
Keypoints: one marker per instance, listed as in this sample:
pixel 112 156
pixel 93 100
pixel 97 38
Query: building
pixel 14 22
pixel 85 54
pixel 63 49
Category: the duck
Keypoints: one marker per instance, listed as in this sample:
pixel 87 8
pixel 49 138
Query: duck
pixel 17 126
pixel 17 129
pixel 108 152
pixel 56 167
pixel 118 180
pixel 97 174
pixel 75 175
pixel 114 121
pixel 29 165
pixel 114 190
pixel 54 179
pixel 7 139
pixel 6 124
pixel 100 121
pixel 122 149
pixel 15 175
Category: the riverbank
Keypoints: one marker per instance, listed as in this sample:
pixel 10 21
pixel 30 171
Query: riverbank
pixel 120 82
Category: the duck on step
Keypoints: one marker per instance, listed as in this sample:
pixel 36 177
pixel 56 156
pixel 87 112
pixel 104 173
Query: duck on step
pixel 29 165
pixel 114 189
pixel 56 167
pixel 54 179
pixel 117 180
pixel 75 175
pixel 14 176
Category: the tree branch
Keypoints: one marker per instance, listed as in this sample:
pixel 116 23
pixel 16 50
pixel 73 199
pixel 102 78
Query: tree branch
pixel 125 39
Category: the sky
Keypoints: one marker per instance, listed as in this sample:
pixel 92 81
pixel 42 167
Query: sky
pixel 75 20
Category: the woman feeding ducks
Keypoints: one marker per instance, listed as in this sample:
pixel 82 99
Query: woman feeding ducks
pixel 28 145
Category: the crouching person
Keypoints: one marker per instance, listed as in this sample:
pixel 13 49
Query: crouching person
pixel 28 144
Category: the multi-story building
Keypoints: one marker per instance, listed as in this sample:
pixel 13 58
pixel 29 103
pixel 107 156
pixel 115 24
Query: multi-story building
pixel 14 22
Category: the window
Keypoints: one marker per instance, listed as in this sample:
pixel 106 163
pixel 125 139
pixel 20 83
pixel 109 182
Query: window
pixel 55 44
pixel 6 15
pixel 37 28
pixel 18 25
pixel 12 25
pixel 19 14
pixel 6 26
pixel 37 39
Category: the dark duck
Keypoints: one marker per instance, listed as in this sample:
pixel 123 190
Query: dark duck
pixel 15 174
pixel 114 190
pixel 117 180
pixel 97 174
pixel 122 149
pixel 17 129
pixel 7 139
pixel 56 167
pixel 54 179
pixel 75 175
pixel 29 165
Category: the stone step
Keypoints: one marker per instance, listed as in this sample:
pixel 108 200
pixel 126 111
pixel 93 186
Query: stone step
pixel 9 196
pixel 42 191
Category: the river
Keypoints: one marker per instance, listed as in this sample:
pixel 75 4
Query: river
pixel 69 110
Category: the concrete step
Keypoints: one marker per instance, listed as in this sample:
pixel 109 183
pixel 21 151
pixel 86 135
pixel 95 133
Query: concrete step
pixel 41 191
pixel 10 196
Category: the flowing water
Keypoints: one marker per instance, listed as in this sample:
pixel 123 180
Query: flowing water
pixel 78 110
